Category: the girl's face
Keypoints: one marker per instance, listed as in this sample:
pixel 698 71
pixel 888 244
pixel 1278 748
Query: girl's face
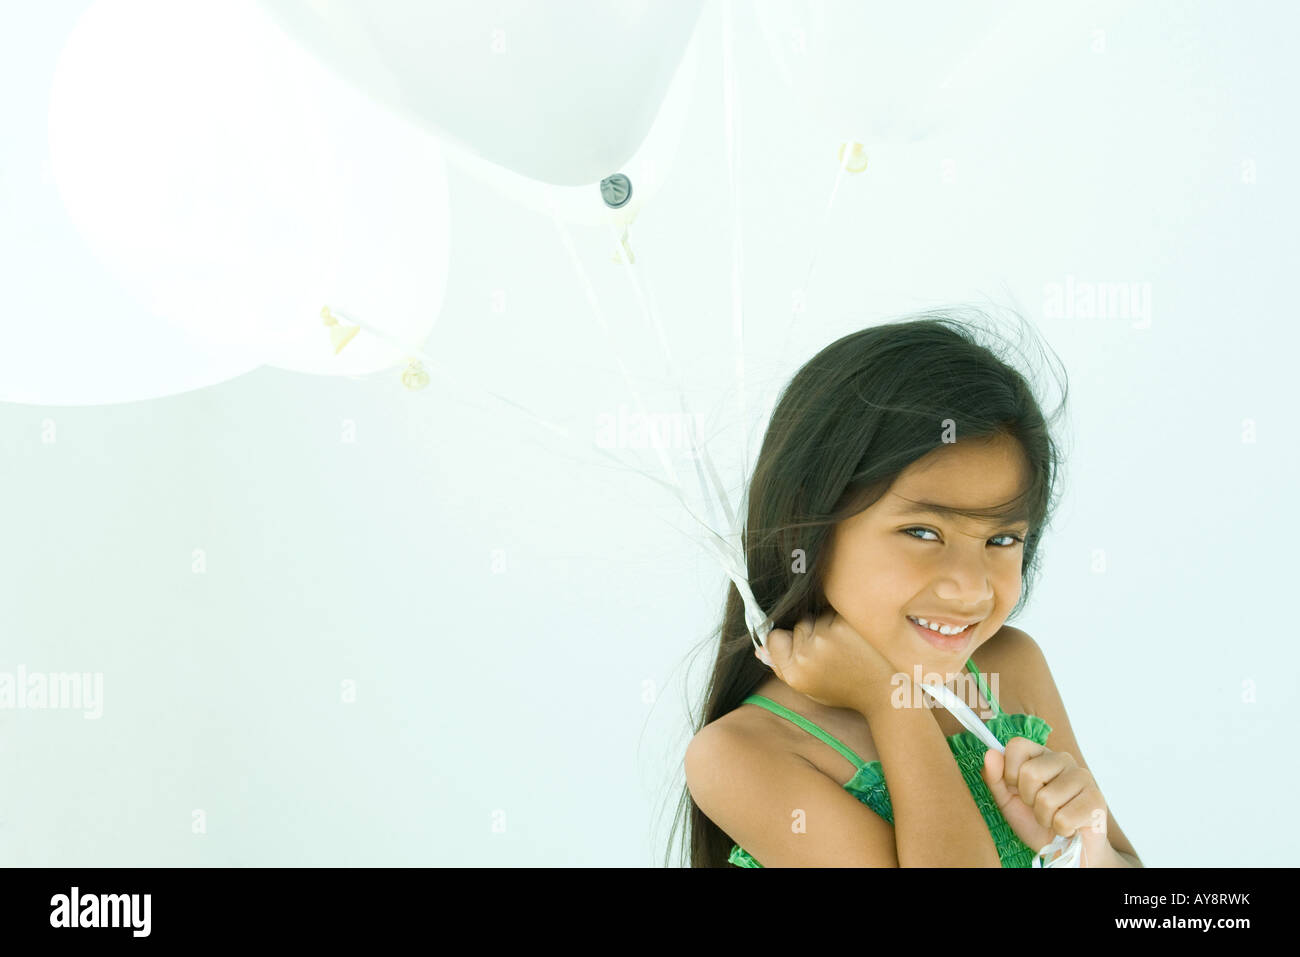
pixel 893 560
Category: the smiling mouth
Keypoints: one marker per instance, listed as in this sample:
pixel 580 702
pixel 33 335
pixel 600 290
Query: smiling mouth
pixel 950 642
pixel 954 634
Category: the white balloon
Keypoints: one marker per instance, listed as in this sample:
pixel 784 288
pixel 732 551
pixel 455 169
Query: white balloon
pixel 239 187
pixel 562 93
pixel 647 169
pixel 72 335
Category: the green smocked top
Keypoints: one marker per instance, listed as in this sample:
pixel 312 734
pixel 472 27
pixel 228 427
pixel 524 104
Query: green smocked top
pixel 868 784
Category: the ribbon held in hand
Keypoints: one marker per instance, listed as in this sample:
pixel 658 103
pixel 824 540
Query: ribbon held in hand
pixel 1062 851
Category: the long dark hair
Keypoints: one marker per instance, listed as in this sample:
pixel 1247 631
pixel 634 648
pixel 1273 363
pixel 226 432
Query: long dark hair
pixel 849 422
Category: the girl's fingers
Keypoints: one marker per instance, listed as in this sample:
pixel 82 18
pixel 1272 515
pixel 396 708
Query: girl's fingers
pixel 781 641
pixel 777 649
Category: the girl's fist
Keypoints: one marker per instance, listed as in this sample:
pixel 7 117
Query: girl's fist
pixel 827 660
pixel 1043 793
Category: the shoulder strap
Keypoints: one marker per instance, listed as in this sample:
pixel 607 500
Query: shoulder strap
pixel 984 688
pixel 807 725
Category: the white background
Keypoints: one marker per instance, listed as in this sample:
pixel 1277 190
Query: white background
pixel 524 691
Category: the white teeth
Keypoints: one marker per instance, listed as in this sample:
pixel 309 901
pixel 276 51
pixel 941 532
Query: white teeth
pixel 941 629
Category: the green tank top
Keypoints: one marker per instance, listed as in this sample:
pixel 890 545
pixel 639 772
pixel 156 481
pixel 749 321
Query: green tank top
pixel 868 784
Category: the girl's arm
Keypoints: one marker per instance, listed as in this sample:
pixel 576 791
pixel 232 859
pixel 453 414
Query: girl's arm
pixel 936 823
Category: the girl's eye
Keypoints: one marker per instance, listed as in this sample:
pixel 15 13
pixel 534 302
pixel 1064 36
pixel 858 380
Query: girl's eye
pixel 1015 539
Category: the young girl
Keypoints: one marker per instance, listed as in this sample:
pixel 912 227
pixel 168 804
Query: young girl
pixel 893 520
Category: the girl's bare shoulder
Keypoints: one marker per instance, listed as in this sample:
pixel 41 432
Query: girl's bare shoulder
pixel 756 724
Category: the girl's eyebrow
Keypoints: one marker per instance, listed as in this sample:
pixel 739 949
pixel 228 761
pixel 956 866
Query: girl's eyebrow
pixel 947 511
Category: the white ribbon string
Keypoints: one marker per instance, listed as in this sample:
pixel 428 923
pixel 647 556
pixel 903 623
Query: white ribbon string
pixel 725 545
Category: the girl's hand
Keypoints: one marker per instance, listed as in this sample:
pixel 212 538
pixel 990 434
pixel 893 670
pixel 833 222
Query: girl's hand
pixel 1043 793
pixel 828 661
